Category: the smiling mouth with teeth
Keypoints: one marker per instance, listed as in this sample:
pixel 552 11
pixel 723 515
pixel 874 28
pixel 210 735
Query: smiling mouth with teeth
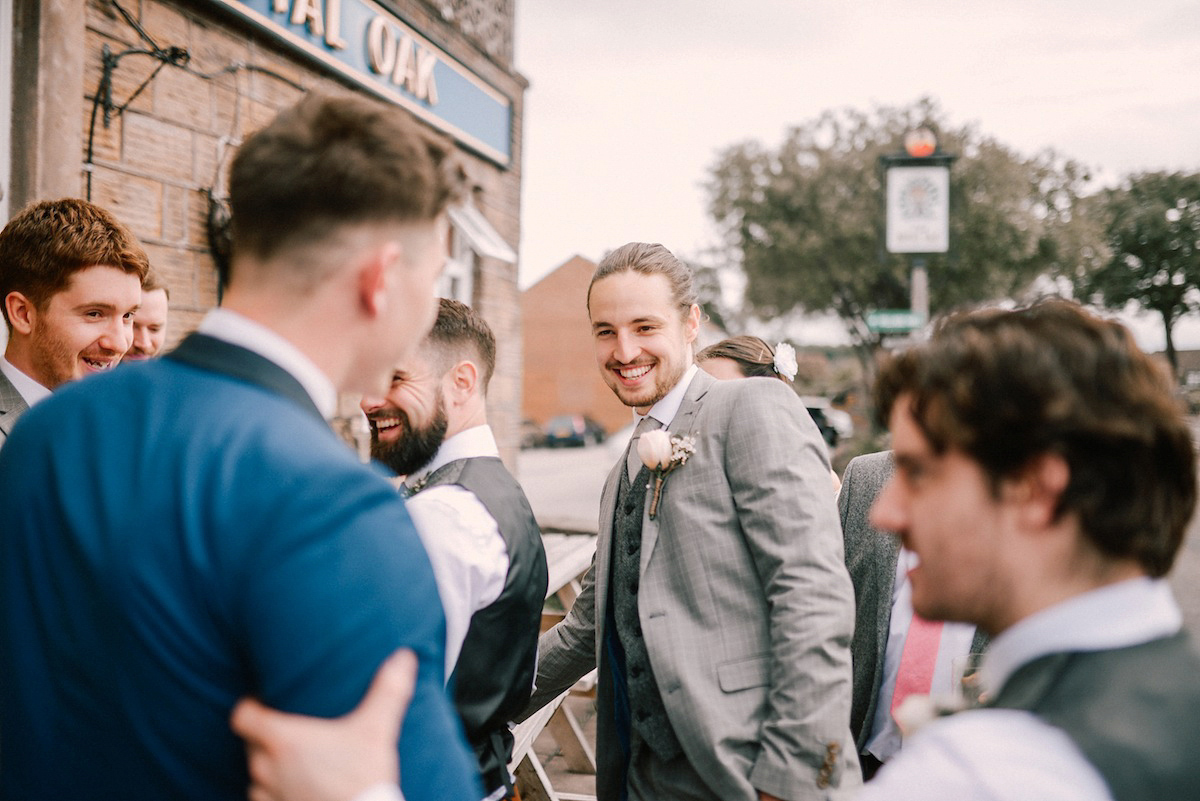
pixel 633 373
pixel 100 365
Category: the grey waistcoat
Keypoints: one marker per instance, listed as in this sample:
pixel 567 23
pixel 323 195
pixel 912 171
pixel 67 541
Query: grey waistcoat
pixel 1134 713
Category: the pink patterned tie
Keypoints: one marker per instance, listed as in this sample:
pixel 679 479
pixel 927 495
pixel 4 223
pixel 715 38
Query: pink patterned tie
pixel 918 659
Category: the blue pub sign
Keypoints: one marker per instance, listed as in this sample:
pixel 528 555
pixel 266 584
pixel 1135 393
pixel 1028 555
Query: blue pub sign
pixel 374 48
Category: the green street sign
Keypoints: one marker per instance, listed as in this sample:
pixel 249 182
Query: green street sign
pixel 894 321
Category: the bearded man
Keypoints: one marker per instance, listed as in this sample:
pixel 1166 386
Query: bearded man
pixel 476 523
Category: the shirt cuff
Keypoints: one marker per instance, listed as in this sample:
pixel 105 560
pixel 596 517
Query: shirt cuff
pixel 384 791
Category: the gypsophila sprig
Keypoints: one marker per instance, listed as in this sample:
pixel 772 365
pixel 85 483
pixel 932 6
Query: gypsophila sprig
pixel 663 453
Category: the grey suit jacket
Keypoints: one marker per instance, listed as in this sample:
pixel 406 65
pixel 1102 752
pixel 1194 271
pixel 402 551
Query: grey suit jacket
pixel 871 557
pixel 12 406
pixel 744 603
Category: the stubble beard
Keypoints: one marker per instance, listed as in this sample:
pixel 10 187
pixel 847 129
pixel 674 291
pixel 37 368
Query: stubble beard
pixel 663 384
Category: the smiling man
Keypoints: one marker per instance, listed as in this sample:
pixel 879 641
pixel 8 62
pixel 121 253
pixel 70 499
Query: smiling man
pixel 476 523
pixel 1044 479
pixel 150 322
pixel 70 279
pixel 721 624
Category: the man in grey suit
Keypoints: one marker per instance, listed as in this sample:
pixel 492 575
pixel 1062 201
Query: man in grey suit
pixel 883 612
pixel 720 616
pixel 70 281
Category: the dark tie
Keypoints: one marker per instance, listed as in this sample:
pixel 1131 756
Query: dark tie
pixel 633 462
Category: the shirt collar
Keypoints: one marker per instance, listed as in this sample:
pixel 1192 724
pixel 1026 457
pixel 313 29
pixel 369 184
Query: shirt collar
pixel 236 329
pixel 668 406
pixel 29 390
pixel 1118 615
pixel 469 444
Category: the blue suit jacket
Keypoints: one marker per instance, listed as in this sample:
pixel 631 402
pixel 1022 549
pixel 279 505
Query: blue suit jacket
pixel 175 537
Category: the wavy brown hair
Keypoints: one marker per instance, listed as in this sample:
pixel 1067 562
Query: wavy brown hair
pixel 1005 387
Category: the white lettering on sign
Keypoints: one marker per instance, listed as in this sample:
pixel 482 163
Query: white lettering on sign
pixel 322 18
pixel 403 59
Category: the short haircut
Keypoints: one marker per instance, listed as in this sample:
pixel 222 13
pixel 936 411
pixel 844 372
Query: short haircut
pixel 650 259
pixel 1005 387
pixel 460 333
pixel 754 357
pixel 46 243
pixel 153 282
pixel 332 161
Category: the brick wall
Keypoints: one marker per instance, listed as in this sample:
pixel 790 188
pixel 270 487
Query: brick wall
pixel 154 163
pixel 561 376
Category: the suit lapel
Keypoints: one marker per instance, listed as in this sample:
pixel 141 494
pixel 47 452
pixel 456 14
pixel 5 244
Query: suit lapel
pixel 604 536
pixel 219 356
pixel 12 405
pixel 682 425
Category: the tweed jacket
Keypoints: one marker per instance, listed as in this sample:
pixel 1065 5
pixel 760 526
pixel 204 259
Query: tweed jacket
pixel 871 557
pixel 744 602
pixel 12 406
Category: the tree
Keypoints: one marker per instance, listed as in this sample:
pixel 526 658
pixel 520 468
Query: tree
pixel 1153 237
pixel 805 221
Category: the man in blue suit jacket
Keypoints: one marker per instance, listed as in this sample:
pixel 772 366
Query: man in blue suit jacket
pixel 259 557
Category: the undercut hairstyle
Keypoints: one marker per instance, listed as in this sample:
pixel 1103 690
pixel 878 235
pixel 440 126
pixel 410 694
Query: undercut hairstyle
pixel 46 243
pixel 754 357
pixel 332 161
pixel 650 259
pixel 153 282
pixel 460 333
pixel 1005 387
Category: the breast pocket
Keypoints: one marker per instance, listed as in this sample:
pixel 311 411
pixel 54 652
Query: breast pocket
pixel 743 674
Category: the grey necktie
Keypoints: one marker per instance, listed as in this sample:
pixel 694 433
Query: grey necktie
pixel 633 462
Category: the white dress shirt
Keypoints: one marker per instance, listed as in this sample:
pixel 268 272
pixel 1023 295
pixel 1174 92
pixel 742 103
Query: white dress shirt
pixel 1012 755
pixel 469 557
pixel 885 739
pixel 29 390
pixel 231 327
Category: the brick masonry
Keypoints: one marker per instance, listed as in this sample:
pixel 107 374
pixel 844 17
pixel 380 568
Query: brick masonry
pixel 560 375
pixel 153 164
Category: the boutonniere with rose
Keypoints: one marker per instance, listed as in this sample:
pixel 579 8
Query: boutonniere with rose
pixel 662 453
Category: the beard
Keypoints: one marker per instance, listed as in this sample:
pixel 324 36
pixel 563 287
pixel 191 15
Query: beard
pixel 415 447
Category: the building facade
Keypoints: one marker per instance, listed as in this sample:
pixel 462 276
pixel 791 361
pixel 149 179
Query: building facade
pixel 139 106
pixel 560 358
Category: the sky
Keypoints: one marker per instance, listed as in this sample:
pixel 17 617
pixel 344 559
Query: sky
pixel 630 103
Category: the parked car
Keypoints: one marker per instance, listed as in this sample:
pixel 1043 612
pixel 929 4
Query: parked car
pixel 834 424
pixel 828 432
pixel 531 434
pixel 573 430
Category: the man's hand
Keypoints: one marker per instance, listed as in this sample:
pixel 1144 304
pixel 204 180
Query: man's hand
pixel 767 797
pixel 300 758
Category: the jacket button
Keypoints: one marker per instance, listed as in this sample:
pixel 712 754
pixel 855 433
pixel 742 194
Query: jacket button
pixel 633 588
pixel 635 671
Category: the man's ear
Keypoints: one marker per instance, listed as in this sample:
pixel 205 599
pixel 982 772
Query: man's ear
pixel 21 312
pixel 375 277
pixel 1039 487
pixel 462 379
pixel 691 323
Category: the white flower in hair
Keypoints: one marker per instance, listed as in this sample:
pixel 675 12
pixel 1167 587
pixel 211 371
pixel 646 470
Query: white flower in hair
pixel 785 361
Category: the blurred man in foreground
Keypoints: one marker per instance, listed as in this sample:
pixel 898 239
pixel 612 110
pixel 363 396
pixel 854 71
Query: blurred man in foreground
pixel 69 279
pixel 258 557
pixel 1044 479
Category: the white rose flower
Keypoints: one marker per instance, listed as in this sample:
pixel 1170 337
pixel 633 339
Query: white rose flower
pixel 654 449
pixel 785 361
